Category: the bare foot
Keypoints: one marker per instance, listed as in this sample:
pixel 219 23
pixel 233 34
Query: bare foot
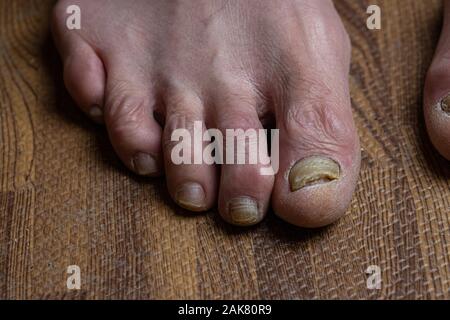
pixel 228 64
pixel 437 91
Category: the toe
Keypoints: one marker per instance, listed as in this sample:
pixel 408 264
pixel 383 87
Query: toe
pixel 318 144
pixel 129 118
pixel 84 74
pixel 84 78
pixel 191 181
pixel 320 159
pixel 437 92
pixel 245 189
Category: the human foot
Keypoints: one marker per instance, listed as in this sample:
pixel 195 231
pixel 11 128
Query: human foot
pixel 437 91
pixel 229 65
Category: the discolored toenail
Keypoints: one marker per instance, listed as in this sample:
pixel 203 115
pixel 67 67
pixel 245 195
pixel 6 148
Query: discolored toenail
pixel 243 211
pixel 312 171
pixel 191 196
pixel 144 164
pixel 445 104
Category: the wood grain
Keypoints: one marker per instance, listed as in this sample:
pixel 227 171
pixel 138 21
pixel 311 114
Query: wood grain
pixel 65 198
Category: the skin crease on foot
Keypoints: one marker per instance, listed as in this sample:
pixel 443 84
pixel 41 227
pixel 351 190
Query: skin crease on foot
pixel 230 65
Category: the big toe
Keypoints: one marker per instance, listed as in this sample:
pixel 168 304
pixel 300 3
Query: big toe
pixel 320 164
pixel 318 142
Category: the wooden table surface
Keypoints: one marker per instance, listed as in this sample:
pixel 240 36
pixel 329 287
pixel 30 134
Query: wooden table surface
pixel 65 198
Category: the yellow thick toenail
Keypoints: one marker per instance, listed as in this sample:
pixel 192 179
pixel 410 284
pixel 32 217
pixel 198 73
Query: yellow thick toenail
pixel 313 170
pixel 144 164
pixel 445 104
pixel 243 211
pixel 191 196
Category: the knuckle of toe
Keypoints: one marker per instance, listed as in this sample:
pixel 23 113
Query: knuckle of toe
pixel 125 112
pixel 183 110
pixel 319 127
pixel 234 89
pixel 168 144
pixel 124 126
pixel 238 120
pixel 179 122
pixel 179 130
pixel 183 102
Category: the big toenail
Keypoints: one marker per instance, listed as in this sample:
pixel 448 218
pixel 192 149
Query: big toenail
pixel 313 170
pixel 243 211
pixel 96 113
pixel 445 104
pixel 144 164
pixel 191 196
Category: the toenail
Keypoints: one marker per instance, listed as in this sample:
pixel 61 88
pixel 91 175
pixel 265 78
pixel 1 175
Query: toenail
pixel 96 113
pixel 312 171
pixel 445 104
pixel 243 211
pixel 144 164
pixel 191 196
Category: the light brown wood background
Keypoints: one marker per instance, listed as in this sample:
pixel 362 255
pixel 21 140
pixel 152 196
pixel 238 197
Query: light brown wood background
pixel 65 198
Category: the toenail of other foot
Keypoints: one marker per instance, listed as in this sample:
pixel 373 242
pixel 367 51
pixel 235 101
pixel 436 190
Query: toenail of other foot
pixel 445 104
pixel 243 211
pixel 312 171
pixel 191 196
pixel 144 164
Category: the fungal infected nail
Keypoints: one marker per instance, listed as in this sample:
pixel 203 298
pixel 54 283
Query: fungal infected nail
pixel 191 196
pixel 445 104
pixel 243 211
pixel 312 171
